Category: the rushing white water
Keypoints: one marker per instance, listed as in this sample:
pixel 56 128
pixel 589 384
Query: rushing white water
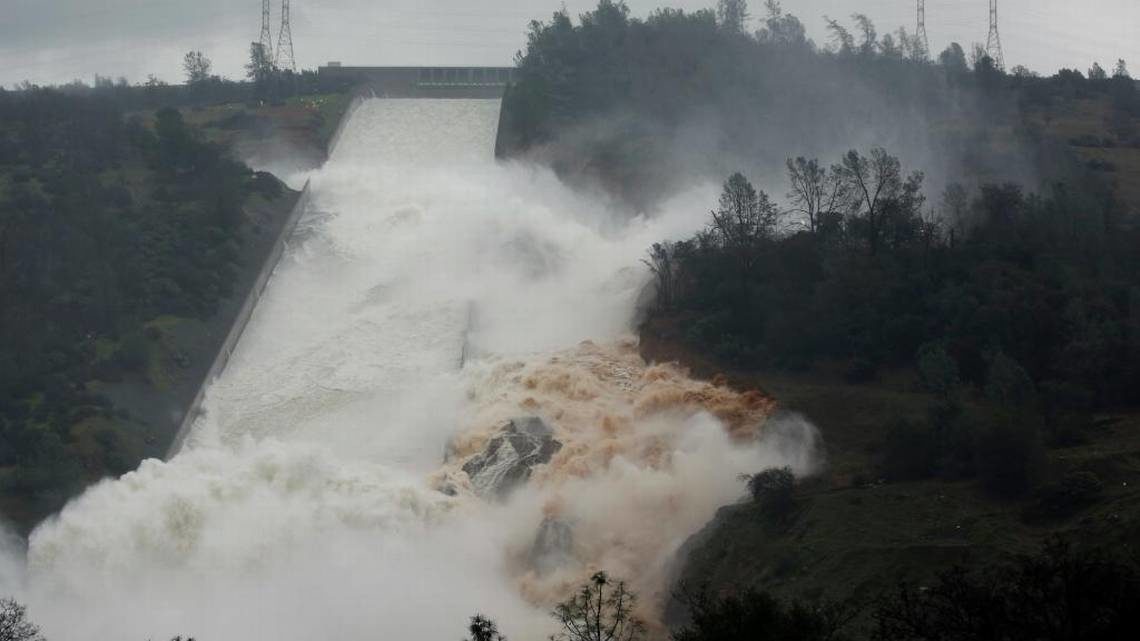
pixel 429 294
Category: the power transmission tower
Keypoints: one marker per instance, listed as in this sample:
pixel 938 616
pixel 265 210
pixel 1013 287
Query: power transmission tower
pixel 284 57
pixel 920 31
pixel 266 40
pixel 993 43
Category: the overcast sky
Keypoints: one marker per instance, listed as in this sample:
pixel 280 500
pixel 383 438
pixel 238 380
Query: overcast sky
pixel 54 41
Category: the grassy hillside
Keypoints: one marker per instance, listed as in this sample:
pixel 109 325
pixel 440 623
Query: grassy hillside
pixel 852 533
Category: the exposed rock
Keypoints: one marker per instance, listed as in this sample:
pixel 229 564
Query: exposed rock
pixel 507 460
pixel 552 546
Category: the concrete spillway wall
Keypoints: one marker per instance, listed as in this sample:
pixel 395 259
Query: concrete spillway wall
pixel 222 358
pixel 241 320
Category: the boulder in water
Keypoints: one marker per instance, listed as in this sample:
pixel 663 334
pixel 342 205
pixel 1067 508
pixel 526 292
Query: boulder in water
pixel 553 546
pixel 507 460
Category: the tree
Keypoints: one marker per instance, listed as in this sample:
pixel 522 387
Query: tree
pixel 955 202
pixel 732 15
pixel 484 629
pixel 781 28
pixel 663 263
pixel 889 49
pixel 743 219
pixel 840 36
pixel 260 67
pixel 14 623
pixel 870 36
pixel 1097 72
pixel 744 215
pixel 820 196
pixel 1121 70
pixel 954 58
pixel 602 610
pixel 197 67
pixel 937 371
pixel 1021 71
pixel 873 180
pixel 773 489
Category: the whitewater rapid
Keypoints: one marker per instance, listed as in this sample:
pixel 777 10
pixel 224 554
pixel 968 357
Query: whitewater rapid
pixel 429 294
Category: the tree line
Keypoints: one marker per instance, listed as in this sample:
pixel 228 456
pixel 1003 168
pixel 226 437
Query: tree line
pixel 638 104
pixel 1018 313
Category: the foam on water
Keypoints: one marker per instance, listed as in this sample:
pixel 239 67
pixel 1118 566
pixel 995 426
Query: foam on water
pixel 429 294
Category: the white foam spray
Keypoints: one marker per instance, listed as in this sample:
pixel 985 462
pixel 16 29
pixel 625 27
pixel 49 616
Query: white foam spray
pixel 430 294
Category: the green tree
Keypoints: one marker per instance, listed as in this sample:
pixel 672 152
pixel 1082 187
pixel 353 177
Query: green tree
pixel 484 629
pixel 773 489
pixel 954 58
pixel 14 623
pixel 260 67
pixel 196 66
pixel 732 15
pixel 781 28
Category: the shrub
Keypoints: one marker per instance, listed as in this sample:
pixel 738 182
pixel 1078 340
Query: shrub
pixel 773 489
pixel 752 614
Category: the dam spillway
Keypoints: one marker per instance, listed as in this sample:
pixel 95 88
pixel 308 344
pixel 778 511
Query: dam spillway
pixel 428 295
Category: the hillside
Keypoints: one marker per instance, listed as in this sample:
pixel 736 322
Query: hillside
pixel 127 242
pixel 854 535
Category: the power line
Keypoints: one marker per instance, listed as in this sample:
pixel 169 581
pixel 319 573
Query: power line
pixel 284 57
pixel 993 42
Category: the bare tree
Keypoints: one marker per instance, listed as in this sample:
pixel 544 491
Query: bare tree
pixel 954 204
pixel 818 195
pixel 663 263
pixel 873 181
pixel 602 610
pixel 14 623
pixel 743 219
pixel 870 36
pixel 1121 70
pixel 197 67
pixel 1097 72
pixel 840 36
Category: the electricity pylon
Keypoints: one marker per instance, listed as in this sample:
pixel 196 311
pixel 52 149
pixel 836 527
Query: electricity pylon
pixel 284 57
pixel 266 39
pixel 920 31
pixel 993 42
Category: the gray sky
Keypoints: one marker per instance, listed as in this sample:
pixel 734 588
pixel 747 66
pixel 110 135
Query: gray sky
pixel 53 41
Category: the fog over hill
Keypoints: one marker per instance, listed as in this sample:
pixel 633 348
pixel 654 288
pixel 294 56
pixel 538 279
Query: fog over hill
pixel 57 41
